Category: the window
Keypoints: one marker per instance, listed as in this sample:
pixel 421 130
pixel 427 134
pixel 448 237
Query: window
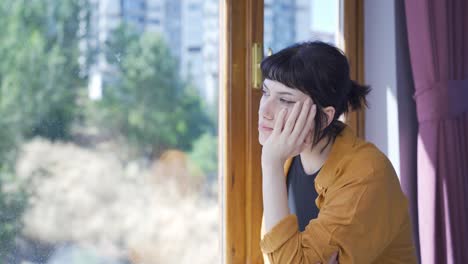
pixel 241 183
pixel 108 151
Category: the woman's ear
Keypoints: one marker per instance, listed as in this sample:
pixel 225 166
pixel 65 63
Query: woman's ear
pixel 330 112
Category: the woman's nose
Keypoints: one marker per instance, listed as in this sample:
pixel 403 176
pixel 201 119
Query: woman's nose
pixel 266 110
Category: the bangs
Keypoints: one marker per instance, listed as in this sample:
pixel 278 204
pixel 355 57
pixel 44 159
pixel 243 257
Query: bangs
pixel 286 67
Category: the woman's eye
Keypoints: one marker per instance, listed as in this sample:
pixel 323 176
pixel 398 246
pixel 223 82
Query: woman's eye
pixel 286 101
pixel 265 93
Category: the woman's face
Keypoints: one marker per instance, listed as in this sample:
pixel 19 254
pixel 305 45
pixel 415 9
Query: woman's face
pixel 276 96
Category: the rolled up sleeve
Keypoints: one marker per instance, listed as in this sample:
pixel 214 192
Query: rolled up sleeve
pixel 358 219
pixel 285 244
pixel 280 234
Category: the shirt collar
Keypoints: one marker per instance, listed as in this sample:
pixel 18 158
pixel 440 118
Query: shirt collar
pixel 343 143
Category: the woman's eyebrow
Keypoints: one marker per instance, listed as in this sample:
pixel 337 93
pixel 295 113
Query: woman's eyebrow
pixel 286 93
pixel 280 93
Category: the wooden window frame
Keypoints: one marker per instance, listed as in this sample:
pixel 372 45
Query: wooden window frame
pixel 353 36
pixel 241 25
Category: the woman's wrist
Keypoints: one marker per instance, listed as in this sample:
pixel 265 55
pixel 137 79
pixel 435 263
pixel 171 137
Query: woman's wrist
pixel 272 165
pixel 272 160
pixel 275 200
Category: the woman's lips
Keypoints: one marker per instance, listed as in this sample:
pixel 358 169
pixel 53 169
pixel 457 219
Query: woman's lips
pixel 265 128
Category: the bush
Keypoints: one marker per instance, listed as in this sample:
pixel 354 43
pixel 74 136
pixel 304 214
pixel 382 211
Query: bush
pixel 147 102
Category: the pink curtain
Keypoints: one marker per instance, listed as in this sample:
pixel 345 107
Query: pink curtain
pixel 438 44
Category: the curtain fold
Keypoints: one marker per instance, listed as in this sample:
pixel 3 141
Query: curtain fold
pixel 438 44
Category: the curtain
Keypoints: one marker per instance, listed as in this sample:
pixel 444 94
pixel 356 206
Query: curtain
pixel 438 45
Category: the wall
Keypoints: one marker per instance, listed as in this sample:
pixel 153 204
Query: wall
pixel 382 127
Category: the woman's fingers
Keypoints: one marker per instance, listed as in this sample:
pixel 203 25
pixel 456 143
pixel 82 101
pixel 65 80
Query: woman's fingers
pixel 333 259
pixel 290 123
pixel 280 121
pixel 308 138
pixel 306 131
pixel 298 125
pixel 301 121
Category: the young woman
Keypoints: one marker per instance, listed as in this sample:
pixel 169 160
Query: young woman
pixel 324 189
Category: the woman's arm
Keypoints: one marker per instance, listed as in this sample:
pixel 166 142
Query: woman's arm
pixel 360 216
pixel 275 198
pixel 287 139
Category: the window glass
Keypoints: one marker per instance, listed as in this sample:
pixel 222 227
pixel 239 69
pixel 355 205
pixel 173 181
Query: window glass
pixel 108 131
pixel 288 22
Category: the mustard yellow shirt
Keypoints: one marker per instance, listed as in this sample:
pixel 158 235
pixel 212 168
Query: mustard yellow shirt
pixel 364 214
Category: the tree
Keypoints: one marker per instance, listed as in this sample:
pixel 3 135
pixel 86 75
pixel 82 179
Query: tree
pixel 38 83
pixel 148 102
pixel 205 153
pixel 39 69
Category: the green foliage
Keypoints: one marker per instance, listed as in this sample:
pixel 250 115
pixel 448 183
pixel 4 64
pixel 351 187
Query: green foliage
pixel 39 70
pixel 8 142
pixel 205 153
pixel 39 77
pixel 148 103
pixel 12 205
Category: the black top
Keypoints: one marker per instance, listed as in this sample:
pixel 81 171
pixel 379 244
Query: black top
pixel 301 193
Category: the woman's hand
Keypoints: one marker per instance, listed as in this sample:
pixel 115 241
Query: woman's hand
pixel 290 137
pixel 287 139
pixel 333 259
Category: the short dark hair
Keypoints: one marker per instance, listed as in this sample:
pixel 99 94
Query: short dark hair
pixel 321 71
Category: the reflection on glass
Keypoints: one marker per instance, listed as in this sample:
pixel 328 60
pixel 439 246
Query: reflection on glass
pixel 108 131
pixel 288 22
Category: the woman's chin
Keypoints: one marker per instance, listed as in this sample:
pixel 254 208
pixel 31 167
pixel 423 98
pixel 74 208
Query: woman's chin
pixel 262 137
